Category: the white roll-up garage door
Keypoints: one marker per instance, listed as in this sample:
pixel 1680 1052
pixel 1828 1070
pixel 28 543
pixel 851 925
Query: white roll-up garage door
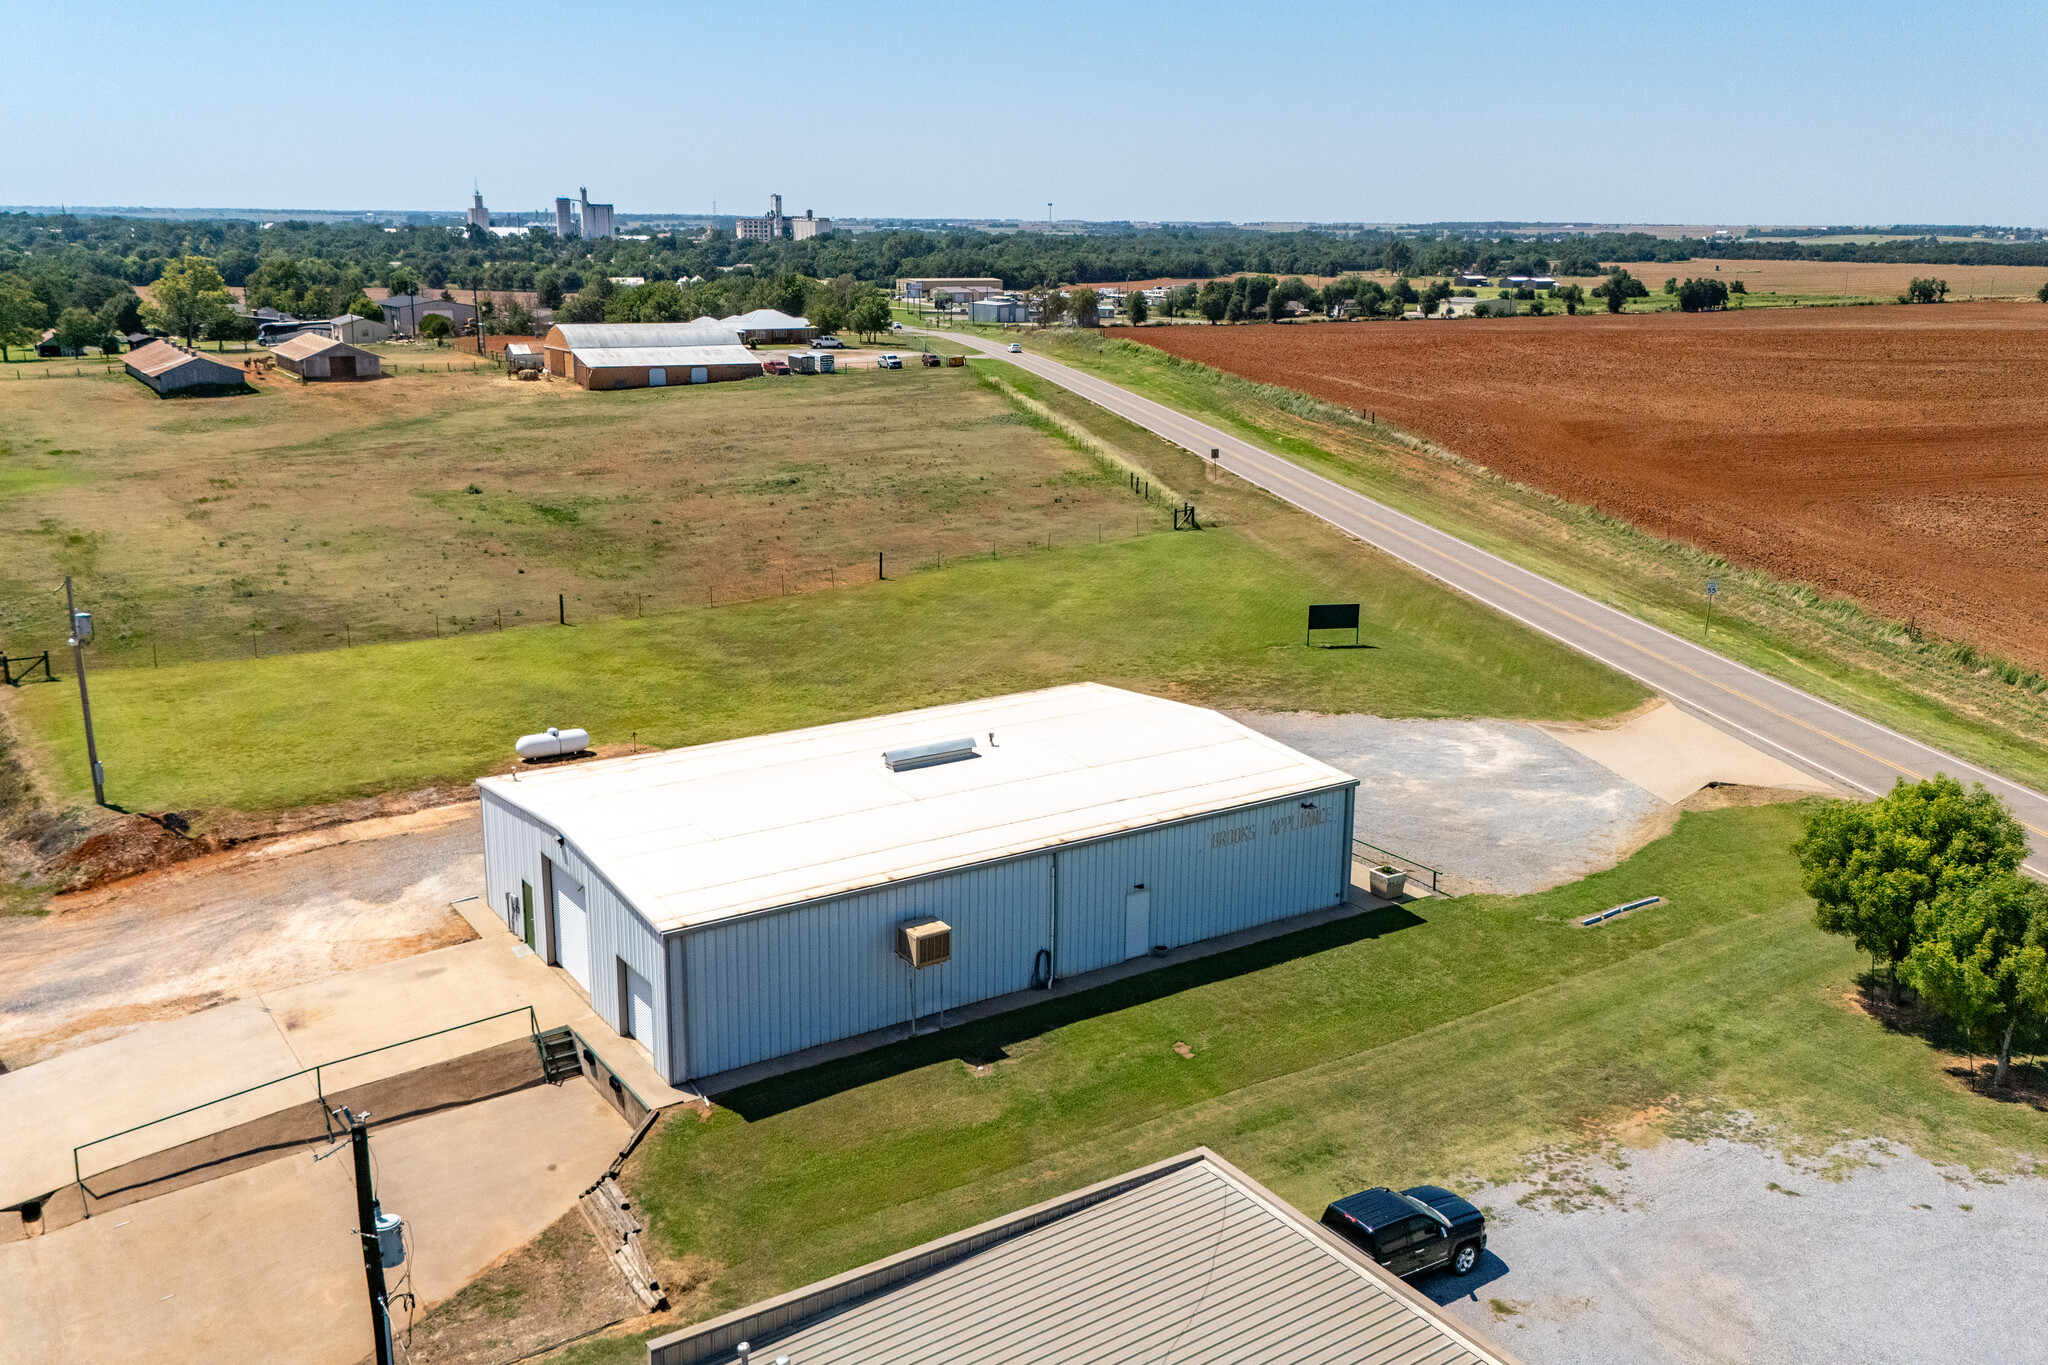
pixel 639 1007
pixel 572 930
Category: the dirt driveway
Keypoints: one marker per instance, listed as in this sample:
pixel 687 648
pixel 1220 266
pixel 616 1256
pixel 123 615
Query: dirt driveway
pixel 233 925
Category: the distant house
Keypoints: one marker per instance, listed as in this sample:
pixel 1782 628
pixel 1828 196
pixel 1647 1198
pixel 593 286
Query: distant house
pixel 402 312
pixel 358 331
pixel 1470 279
pixel 47 347
pixel 311 356
pixel 767 324
pixel 168 367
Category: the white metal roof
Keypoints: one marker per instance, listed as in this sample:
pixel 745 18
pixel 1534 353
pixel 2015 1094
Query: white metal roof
pixel 696 835
pixel 766 320
pixel 633 335
pixel 678 357
pixel 1193 1262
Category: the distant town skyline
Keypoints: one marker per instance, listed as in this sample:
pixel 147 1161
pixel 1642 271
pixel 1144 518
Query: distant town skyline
pixel 1817 113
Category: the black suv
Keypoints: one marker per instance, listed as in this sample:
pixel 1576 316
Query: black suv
pixel 1418 1230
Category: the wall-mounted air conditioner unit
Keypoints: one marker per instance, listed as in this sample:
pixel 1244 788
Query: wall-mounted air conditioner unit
pixel 924 942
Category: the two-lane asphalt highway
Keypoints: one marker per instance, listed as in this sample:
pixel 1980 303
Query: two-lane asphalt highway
pixel 1836 745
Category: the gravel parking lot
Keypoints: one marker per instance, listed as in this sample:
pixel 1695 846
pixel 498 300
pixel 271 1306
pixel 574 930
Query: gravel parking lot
pixel 1498 806
pixel 1703 1253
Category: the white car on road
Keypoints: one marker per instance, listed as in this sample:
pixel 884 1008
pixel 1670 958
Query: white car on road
pixel 1016 348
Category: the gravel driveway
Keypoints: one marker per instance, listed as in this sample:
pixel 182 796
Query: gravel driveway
pixel 1496 805
pixel 1697 1260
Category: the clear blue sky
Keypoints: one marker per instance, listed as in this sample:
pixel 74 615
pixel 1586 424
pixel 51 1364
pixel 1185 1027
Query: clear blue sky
pixel 1792 111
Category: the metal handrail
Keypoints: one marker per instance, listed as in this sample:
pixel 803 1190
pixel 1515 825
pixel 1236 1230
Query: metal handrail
pixel 1402 858
pixel 77 1172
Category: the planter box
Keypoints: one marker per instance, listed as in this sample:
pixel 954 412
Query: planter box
pixel 1388 882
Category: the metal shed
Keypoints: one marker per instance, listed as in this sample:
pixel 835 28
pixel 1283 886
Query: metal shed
pixel 311 356
pixel 737 902
pixel 167 367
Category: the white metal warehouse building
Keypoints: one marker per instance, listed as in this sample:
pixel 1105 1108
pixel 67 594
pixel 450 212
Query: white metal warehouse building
pixel 736 902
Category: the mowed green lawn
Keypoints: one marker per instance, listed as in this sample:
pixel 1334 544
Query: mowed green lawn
pixel 1214 617
pixel 1445 1041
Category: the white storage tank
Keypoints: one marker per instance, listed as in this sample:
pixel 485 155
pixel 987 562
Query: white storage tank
pixel 552 743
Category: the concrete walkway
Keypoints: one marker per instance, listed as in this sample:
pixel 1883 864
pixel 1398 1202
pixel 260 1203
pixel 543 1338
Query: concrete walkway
pixel 263 1265
pixel 162 1068
pixel 1825 741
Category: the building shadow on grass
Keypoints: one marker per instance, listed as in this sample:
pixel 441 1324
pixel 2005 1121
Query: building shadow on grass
pixel 985 1042
pixel 1444 1288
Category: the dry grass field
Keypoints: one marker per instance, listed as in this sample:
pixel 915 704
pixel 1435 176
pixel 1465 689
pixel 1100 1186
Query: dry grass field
pixel 437 503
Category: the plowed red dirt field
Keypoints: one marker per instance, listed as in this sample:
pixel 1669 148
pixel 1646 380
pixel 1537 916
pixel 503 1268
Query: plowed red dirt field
pixel 1898 455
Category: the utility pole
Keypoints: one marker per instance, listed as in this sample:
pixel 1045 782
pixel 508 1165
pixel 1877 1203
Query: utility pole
pixel 373 1251
pixel 81 631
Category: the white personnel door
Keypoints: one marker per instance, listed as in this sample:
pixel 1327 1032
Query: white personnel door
pixel 1137 922
pixel 657 379
pixel 572 930
pixel 639 1008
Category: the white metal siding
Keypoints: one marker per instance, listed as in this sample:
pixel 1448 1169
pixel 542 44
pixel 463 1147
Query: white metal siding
pixel 1206 877
pixel 514 844
pixel 765 985
pixel 776 983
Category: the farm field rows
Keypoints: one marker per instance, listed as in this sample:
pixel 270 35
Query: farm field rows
pixel 1891 455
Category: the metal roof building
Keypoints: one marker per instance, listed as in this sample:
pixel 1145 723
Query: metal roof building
pixel 312 356
pixel 167 367
pixel 738 902
pixel 771 325
pixel 595 354
pixel 1188 1260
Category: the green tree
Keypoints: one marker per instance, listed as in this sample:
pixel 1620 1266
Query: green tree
pixel 870 315
pixel 2042 294
pixel 362 307
pixel 1979 958
pixel 1214 300
pixel 1571 296
pixel 78 328
pixel 233 327
pixel 437 327
pixel 1234 310
pixel 1620 288
pixel 548 288
pixel 1671 285
pixel 402 279
pixel 1137 308
pixel 1702 295
pixel 22 314
pixel 122 313
pixel 189 295
pixel 1086 305
pixel 1050 303
pixel 1873 869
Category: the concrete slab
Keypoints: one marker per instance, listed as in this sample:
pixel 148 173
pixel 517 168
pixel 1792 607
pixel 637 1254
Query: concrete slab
pixel 161 1068
pixel 1672 754
pixel 263 1264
